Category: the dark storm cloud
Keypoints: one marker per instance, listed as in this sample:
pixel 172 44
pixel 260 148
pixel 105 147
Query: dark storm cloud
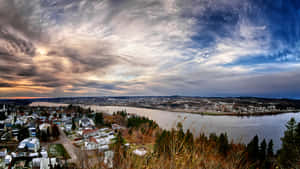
pixel 99 58
pixel 17 15
pixel 21 30
pixel 15 44
pixel 6 85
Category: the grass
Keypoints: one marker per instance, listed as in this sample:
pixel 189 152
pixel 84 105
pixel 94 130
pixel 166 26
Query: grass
pixel 58 151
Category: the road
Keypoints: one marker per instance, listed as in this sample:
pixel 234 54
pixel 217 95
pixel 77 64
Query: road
pixel 73 151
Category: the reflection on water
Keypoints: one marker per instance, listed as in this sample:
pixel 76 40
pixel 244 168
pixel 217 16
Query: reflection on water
pixel 239 129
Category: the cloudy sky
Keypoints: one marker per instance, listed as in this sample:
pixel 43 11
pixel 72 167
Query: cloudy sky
pixel 54 48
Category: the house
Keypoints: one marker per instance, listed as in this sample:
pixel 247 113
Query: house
pixel 20 122
pixel 89 132
pixel 3 152
pixel 7 159
pixel 117 127
pixel 86 122
pixel 3 109
pixel 140 152
pixel 108 158
pixel 90 145
pixel 33 154
pixel 31 143
pixel 105 140
pixel 32 131
pixel 15 132
pixel 103 148
pixel 44 153
pixel 44 127
pixel 5 136
pixel 68 126
pixel 44 163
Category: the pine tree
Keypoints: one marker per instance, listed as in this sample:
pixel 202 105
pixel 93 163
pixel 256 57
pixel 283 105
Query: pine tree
pixel 253 149
pixel 189 140
pixel 288 153
pixel 99 119
pixel 298 136
pixel 73 124
pixel 118 147
pixel 270 149
pixel 180 137
pixel 162 142
pixel 262 150
pixel 213 137
pixel 223 144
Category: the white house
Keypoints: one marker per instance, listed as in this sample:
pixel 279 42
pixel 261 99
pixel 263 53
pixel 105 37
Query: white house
pixel 44 127
pixel 3 152
pixel 108 158
pixel 86 122
pixel 3 109
pixel 7 159
pixel 32 131
pixel 68 126
pixel 31 143
pixel 140 152
pixel 43 163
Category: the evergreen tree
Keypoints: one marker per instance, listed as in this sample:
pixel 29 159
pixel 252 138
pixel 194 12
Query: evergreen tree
pixel 180 135
pixel 118 145
pixel 44 136
pixel 73 124
pixel 162 142
pixel 253 149
pixel 213 137
pixel 118 141
pixel 262 150
pixel 99 119
pixel 288 154
pixel 298 136
pixel 223 144
pixel 189 140
pixel 270 149
pixel 2 116
pixel 55 131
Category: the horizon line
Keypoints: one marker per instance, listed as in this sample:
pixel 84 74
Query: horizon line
pixel 33 98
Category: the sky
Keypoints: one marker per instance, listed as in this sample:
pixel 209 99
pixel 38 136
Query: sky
pixel 62 48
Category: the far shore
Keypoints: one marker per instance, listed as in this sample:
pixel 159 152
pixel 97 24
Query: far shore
pixel 55 104
pixel 220 113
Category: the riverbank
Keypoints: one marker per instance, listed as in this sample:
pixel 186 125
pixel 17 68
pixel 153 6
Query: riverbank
pixel 54 104
pixel 218 113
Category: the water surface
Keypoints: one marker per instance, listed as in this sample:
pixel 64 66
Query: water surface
pixel 238 129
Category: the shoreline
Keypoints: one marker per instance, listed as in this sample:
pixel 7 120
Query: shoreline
pixel 190 112
pixel 219 113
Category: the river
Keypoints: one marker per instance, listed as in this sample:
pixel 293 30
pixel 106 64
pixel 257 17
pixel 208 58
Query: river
pixel 238 129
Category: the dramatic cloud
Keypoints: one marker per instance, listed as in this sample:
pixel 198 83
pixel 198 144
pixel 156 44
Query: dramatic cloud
pixel 149 47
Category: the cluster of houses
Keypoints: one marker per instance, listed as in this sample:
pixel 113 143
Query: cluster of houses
pixel 28 154
pixel 89 138
pixel 236 108
pixel 21 147
pixel 22 144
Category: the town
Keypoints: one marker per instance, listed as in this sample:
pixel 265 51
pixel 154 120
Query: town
pixel 69 136
pixel 57 137
pixel 197 105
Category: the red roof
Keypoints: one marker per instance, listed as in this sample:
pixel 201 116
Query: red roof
pixel 92 139
pixel 88 131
